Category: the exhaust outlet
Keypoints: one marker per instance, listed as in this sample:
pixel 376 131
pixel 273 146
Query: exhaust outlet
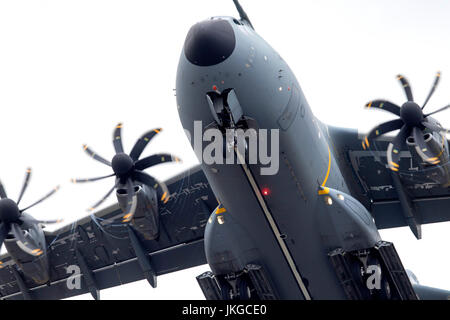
pixel 433 145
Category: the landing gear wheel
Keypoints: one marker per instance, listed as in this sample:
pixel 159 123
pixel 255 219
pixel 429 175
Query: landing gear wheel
pixel 244 290
pixel 383 292
pixel 356 269
pixel 225 291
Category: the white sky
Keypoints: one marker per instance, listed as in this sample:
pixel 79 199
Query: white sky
pixel 70 70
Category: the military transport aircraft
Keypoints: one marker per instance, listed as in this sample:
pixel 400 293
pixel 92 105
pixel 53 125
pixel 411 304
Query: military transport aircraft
pixel 308 230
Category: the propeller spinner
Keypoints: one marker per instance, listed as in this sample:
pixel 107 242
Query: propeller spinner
pixel 128 168
pixel 412 120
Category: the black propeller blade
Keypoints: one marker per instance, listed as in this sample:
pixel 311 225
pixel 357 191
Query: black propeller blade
pixel 25 184
pixel 95 156
pixel 140 145
pixel 131 202
pixel 406 87
pixel 394 148
pixel 436 82
pixel 161 187
pixel 412 121
pixel 117 139
pixel 2 191
pixel 384 105
pixel 98 203
pixel 91 179
pixel 382 129
pixel 128 168
pixel 4 230
pixel 48 195
pixel 16 221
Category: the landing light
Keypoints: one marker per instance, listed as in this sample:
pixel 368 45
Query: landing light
pixel 328 200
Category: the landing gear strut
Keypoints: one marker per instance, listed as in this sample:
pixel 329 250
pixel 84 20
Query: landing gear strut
pixel 375 274
pixel 249 284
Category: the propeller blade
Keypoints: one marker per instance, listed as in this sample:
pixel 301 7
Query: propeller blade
pixel 155 159
pixel 140 145
pixel 50 221
pixel 394 148
pixel 42 199
pixel 2 191
pixel 95 156
pixel 23 243
pixel 421 147
pixel 91 179
pixel 406 87
pixel 438 110
pixel 433 127
pixel 30 220
pixel 382 129
pixel 131 202
pixel 24 185
pixel 3 233
pixel 436 82
pixel 161 187
pixel 106 196
pixel 117 138
pixel 384 105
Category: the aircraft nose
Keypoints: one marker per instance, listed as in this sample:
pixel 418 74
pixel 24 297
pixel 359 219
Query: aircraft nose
pixel 209 42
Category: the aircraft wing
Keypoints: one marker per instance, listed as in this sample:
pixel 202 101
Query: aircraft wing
pixel 371 182
pixel 106 255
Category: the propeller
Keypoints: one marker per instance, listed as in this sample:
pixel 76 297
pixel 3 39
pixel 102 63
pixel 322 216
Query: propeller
pixel 16 221
pixel 128 168
pixel 412 121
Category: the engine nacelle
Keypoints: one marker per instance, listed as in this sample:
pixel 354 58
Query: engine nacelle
pixel 146 217
pixel 436 143
pixel 34 267
pixel 439 172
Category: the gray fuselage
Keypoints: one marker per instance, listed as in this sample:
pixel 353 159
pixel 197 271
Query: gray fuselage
pixel 281 230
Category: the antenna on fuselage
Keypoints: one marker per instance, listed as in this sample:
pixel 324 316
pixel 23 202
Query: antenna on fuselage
pixel 242 13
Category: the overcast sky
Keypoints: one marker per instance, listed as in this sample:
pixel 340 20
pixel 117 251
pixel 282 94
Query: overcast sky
pixel 70 70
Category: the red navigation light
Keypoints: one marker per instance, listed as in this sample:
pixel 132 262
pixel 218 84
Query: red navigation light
pixel 265 191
